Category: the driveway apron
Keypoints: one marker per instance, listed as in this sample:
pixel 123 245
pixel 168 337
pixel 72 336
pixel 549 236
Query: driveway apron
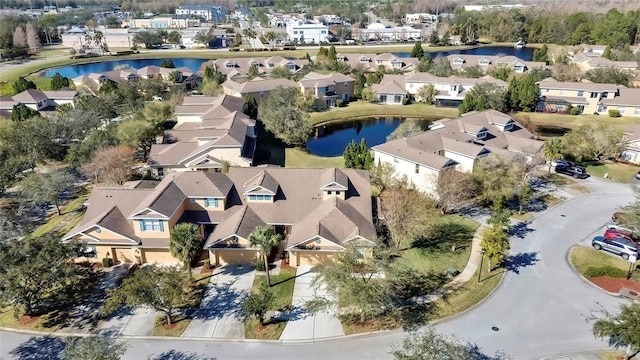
pixel 220 315
pixel 302 324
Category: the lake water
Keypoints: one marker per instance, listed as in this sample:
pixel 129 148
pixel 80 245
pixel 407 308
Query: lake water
pixel 72 71
pixel 330 140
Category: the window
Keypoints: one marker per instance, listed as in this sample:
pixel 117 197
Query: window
pixel 482 135
pixel 160 172
pixel 90 252
pixel 605 94
pixel 323 31
pixel 329 192
pixel 637 112
pixel 211 202
pixel 193 200
pixel 417 169
pixel 594 95
pixel 508 127
pixel 260 197
pixel 580 93
pixel 151 225
pixel 346 84
pixel 397 98
pixel 622 109
pixel 337 192
pixel 295 32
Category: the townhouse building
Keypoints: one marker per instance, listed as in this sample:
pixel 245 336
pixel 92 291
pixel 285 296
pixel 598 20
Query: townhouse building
pixel 238 68
pixel 257 88
pixel 325 89
pixel 485 62
pixel 371 62
pixel 39 100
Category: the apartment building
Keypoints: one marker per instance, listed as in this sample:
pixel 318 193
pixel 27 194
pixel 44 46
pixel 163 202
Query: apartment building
pixel 305 33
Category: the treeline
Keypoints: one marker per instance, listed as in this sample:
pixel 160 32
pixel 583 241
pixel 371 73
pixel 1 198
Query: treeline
pixel 615 29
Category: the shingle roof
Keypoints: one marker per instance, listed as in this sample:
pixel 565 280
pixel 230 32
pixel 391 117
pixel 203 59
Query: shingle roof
pixel 30 96
pixel 627 97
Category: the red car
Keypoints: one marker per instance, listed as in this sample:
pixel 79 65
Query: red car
pixel 611 234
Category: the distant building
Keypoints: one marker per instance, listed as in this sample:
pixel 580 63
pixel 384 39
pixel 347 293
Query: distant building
pixel 207 12
pixel 420 18
pixel 164 22
pixel 493 7
pixel 307 33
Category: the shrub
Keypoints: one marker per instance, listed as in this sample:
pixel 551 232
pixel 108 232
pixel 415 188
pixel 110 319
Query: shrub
pixel 260 265
pixel 614 113
pixel 107 262
pixel 574 111
pixel 406 101
pixel 206 264
pixel 608 270
pixel 339 103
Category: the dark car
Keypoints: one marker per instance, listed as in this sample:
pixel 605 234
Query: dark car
pixel 577 171
pixel 620 246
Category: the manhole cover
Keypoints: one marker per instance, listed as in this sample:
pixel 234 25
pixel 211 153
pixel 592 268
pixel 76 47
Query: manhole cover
pixel 563 215
pixel 633 293
pixel 495 328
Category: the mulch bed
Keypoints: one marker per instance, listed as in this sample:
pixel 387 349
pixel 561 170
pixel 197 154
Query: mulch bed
pixel 26 319
pixel 169 327
pixel 615 284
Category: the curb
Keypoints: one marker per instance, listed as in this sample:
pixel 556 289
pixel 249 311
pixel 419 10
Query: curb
pixel 584 279
pixel 593 351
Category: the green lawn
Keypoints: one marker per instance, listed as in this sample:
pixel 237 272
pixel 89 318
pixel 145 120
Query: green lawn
pixel 583 258
pixel 8 320
pixel 469 294
pixel 616 171
pixel 533 120
pixel 283 292
pixel 300 158
pixel 71 215
pixel 360 109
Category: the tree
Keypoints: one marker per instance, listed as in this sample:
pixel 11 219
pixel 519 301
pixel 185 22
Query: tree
pixel 621 329
pixel 138 134
pixel 58 82
pixel 369 95
pixel 351 285
pixel 265 238
pixel 174 37
pixel 271 37
pixel 250 34
pixel 405 129
pixel 553 150
pixel 428 344
pixel 500 72
pixel 282 118
pixel 484 96
pixel 455 189
pixel 434 38
pixel 417 51
pixel 212 73
pixel 442 67
pixel 22 84
pixel 281 72
pixel 541 54
pixel 358 156
pixel 185 244
pixel 498 179
pixel 404 213
pixel 425 64
pixel 250 107
pixel 258 303
pixel 204 37
pixel 522 93
pixel 610 75
pixel 19 38
pixel 80 154
pixel 426 94
pixel 253 72
pixel 49 186
pixel 33 41
pixel 495 241
pixel 163 289
pixel 148 38
pixel 22 112
pixel 473 72
pixel 93 348
pixel 595 141
pixel 36 269
pixel 167 63
pixel 110 164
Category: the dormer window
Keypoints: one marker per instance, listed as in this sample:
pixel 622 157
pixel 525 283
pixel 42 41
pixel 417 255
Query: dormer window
pixel 261 197
pixel 481 135
pixel 484 62
pixel 508 127
pixel 151 225
pixel 458 61
pixel 230 65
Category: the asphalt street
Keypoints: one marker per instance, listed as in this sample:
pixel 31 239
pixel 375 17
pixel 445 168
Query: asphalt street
pixel 539 310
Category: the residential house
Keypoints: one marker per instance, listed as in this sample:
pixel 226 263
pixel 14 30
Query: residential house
pixel 6 106
pixel 593 50
pixel 318 211
pixel 631 144
pixel 587 62
pixel 371 62
pixel 45 100
pixel 209 132
pixel 456 144
pixel 391 90
pixel 588 97
pixel 485 62
pixel 238 69
pixel 380 32
pixel 327 88
pixel 257 88
pixel 94 80
pixel 181 77
pixel 627 102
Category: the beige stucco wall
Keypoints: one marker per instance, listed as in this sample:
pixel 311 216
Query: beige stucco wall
pixel 628 110
pixel 199 205
pixel 325 194
pixel 233 256
pixel 159 256
pixel 310 258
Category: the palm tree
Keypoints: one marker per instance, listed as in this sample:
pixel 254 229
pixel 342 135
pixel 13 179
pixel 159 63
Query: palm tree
pixel 265 238
pixel 249 33
pixel 271 36
pixel 185 244
pixel 552 150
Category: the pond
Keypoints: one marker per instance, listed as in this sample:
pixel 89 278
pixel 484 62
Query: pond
pixel 330 140
pixel 72 71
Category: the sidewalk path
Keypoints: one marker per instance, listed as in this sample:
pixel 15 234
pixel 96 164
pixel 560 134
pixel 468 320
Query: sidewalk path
pixel 220 315
pixel 303 325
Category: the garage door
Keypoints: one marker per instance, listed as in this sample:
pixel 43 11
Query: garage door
pixel 160 256
pixel 243 257
pixel 313 259
pixel 123 255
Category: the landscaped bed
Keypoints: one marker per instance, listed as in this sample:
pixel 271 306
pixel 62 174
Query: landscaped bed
pixel 586 260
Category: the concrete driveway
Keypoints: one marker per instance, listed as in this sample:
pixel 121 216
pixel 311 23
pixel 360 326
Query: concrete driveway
pixel 220 315
pixel 302 324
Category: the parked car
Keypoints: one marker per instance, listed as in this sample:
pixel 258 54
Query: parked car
pixel 576 171
pixel 561 162
pixel 637 176
pixel 611 234
pixel 620 246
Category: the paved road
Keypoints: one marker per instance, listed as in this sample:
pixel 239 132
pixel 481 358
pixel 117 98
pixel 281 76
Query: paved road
pixel 540 307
